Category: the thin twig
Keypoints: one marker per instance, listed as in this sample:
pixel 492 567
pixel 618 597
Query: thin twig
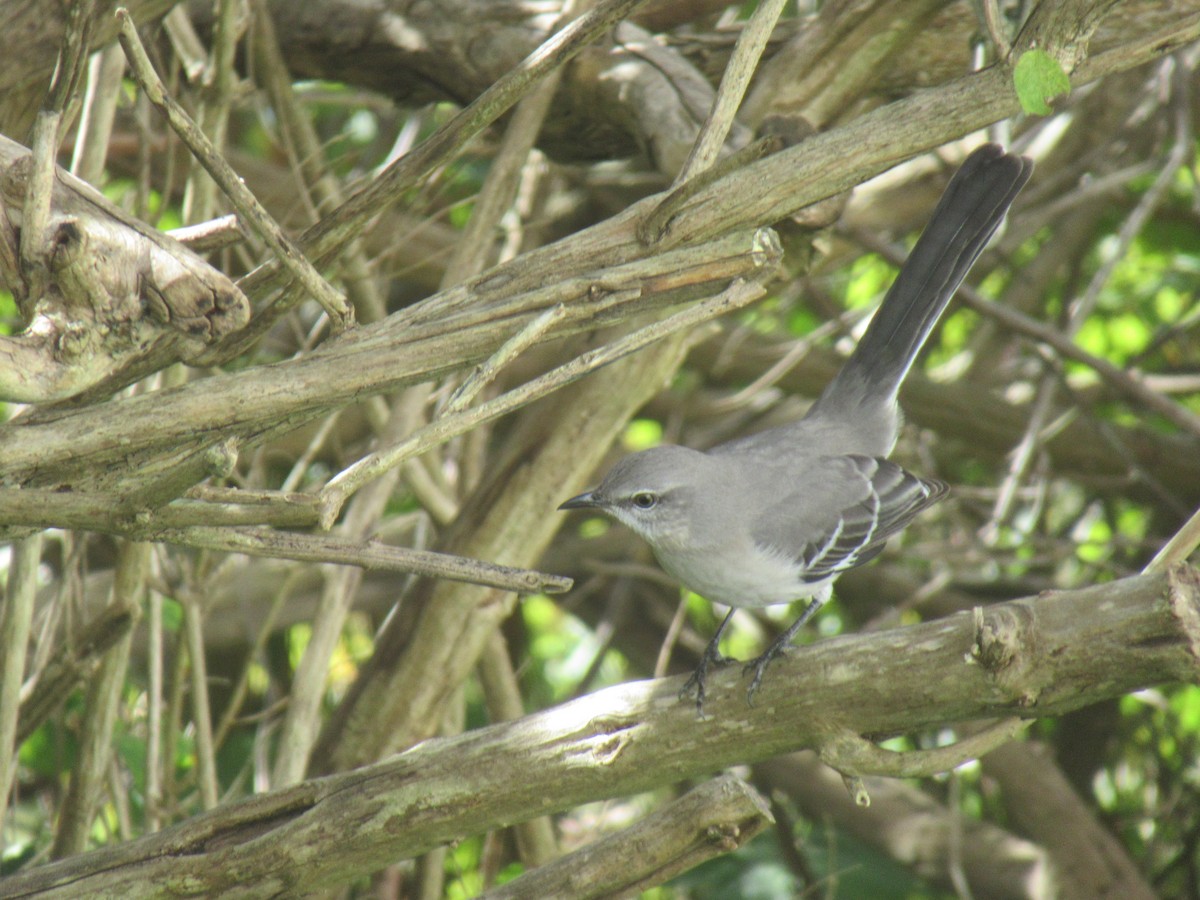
pixel 996 29
pixel 1181 545
pixel 199 193
pixel 329 237
pixel 215 234
pixel 15 620
pixel 246 204
pixel 367 554
pixel 92 137
pixel 797 351
pixel 734 81
pixel 237 696
pixel 154 711
pixel 302 722
pixel 300 467
pixel 103 706
pixel 186 44
pixel 487 370
pixel 72 61
pixel 443 145
pixel 853 755
pixel 1129 384
pixel 299 137
pixel 1181 150
pixel 193 625
pixel 1022 458
pixel 472 249
pixel 371 466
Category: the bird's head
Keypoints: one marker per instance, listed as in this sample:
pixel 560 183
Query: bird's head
pixel 654 492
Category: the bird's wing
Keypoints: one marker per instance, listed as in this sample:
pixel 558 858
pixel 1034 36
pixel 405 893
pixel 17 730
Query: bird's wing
pixel 839 513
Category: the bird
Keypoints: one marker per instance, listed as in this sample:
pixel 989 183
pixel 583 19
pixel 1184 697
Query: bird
pixel 775 517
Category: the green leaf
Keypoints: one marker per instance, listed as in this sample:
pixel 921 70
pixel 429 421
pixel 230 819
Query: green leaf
pixel 1039 78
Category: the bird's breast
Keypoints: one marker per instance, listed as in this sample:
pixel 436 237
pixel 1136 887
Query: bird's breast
pixel 738 576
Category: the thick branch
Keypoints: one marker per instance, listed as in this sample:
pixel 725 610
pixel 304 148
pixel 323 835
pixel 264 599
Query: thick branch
pixel 1041 656
pixel 170 431
pixel 1091 861
pixel 717 817
pixel 114 292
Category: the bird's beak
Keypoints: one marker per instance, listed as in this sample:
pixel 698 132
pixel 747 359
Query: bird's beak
pixel 586 500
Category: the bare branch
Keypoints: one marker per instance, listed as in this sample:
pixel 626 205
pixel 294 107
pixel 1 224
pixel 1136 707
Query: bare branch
pixel 247 205
pixel 636 736
pixel 715 818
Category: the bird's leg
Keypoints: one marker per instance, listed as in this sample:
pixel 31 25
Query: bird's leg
pixel 712 657
pixel 759 664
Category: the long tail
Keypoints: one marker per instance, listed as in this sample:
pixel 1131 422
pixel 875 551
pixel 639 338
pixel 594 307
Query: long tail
pixel 969 212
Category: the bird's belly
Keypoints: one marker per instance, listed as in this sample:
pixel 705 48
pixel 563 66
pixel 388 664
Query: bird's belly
pixel 754 580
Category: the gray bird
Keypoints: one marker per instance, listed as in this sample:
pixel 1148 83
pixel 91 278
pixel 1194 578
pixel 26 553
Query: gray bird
pixel 777 516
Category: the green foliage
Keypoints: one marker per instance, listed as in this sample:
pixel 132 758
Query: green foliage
pixel 1038 78
pixel 51 749
pixel 462 869
pixel 955 330
pixel 1065 528
pixel 298 637
pixel 1150 790
pixel 642 434
pixel 866 280
pixel 9 316
pixel 843 865
pixel 562 651
pixel 172 615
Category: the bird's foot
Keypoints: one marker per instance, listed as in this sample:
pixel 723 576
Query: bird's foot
pixel 782 643
pixel 758 666
pixel 696 681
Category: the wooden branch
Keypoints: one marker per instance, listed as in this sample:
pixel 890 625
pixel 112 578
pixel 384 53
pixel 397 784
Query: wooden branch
pixel 34 38
pixel 169 433
pixel 116 292
pixel 995 863
pixel 717 817
pixel 826 67
pixel 15 621
pixel 111 514
pixel 346 221
pixel 103 703
pixel 73 665
pixel 1041 656
pixel 321 548
pixel 252 212
pixel 850 754
pixel 400 693
pixel 134 439
pixel 456 421
pixel 1090 860
pixel 837 160
pixel 222 526
pixel 730 93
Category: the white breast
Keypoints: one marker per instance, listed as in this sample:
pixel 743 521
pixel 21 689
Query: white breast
pixel 758 578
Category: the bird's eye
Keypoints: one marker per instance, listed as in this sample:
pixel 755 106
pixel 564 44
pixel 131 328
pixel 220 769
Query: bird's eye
pixel 645 500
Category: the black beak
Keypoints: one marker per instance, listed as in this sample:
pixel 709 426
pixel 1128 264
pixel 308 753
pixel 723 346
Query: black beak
pixel 586 500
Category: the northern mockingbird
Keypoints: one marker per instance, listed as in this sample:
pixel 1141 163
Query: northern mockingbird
pixel 779 515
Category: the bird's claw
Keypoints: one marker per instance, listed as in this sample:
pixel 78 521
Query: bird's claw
pixel 758 666
pixel 698 678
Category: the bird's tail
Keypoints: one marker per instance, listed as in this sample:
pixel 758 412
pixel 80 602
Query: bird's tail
pixel 969 212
